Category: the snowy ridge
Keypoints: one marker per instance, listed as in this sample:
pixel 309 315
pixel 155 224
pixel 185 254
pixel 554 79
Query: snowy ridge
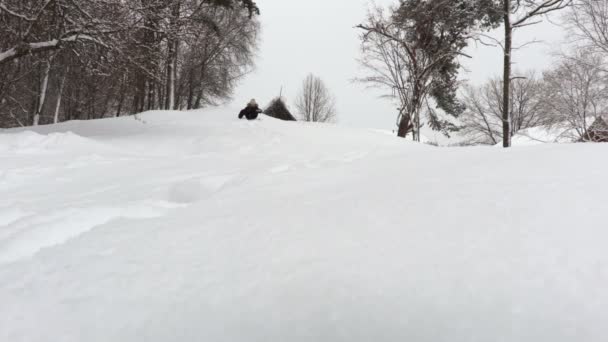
pixel 198 227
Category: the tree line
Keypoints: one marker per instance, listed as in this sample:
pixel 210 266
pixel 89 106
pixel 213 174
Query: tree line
pixel 85 59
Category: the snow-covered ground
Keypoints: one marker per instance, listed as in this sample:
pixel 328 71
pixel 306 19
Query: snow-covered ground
pixel 545 134
pixel 199 227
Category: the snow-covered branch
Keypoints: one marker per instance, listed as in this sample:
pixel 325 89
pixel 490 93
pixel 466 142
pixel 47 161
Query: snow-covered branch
pixel 38 47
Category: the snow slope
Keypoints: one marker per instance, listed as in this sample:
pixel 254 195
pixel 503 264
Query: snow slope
pixel 199 227
pixel 545 134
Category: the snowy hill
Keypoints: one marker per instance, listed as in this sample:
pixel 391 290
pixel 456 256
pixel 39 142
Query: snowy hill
pixel 199 227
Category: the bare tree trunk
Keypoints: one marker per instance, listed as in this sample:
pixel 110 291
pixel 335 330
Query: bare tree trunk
pixel 405 125
pixel 151 95
pixel 191 90
pixel 170 101
pixel 173 43
pixel 91 102
pixel 121 98
pixel 59 97
pixel 43 90
pixel 140 94
pixel 418 126
pixel 506 119
pixel 174 83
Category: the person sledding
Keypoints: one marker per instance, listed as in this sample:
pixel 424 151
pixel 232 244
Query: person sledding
pixel 251 112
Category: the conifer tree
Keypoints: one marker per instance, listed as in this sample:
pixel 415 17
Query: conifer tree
pixel 278 110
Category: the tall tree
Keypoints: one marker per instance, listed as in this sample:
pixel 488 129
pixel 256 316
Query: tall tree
pixel 517 14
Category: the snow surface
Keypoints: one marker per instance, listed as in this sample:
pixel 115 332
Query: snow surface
pixel 545 134
pixel 195 226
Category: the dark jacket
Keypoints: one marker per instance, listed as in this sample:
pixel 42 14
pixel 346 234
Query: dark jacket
pixel 250 112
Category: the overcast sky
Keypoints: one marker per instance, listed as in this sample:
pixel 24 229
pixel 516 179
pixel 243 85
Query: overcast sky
pixel 300 37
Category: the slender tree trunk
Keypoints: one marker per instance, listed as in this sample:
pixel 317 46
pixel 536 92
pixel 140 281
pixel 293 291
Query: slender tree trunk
pixel 106 103
pixel 199 95
pixel 191 90
pixel 121 100
pixel 43 90
pixel 415 111
pixel 151 95
pixel 170 102
pixel 199 100
pixel 121 96
pixel 506 119
pixel 418 125
pixel 91 102
pixel 159 96
pixel 135 102
pixel 59 97
pixel 173 44
pixel 176 90
pixel 140 94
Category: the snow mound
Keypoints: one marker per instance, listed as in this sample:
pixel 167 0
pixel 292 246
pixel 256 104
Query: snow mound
pixel 30 142
pixel 24 237
pixel 196 226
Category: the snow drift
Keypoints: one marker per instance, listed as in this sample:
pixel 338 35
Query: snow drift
pixel 198 227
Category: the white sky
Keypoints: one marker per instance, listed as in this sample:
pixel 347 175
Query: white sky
pixel 299 37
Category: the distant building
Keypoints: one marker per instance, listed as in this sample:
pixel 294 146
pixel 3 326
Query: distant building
pixel 598 131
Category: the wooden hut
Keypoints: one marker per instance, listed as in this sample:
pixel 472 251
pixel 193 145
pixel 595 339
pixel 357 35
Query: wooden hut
pixel 598 131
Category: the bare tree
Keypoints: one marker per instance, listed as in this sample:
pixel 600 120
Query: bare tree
pixel 483 118
pixel 212 66
pixel 576 91
pixel 590 21
pixel 315 103
pixel 35 27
